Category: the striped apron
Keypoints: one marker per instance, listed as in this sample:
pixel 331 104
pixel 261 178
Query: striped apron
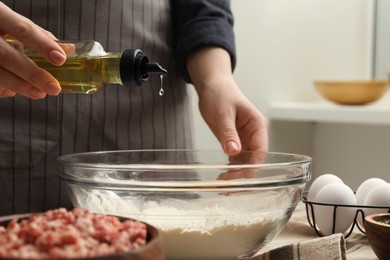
pixel 33 133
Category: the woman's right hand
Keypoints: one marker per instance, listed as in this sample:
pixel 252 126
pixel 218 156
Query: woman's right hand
pixel 19 74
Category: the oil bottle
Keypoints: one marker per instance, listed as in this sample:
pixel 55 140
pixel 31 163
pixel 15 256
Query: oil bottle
pixel 88 66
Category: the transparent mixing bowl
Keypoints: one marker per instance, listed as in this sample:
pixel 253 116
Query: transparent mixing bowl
pixel 206 205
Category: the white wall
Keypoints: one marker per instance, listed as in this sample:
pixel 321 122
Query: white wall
pixel 282 47
pixel 382 57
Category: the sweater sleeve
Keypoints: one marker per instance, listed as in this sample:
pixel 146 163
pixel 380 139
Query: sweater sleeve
pixel 199 23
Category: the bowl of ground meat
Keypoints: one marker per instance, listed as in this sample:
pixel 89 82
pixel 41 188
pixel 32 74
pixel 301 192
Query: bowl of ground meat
pixel 77 234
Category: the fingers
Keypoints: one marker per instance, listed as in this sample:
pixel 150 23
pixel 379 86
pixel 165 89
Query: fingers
pixel 255 133
pixel 5 93
pixel 12 83
pixel 49 34
pixel 21 75
pixel 242 127
pixel 228 135
pixel 30 35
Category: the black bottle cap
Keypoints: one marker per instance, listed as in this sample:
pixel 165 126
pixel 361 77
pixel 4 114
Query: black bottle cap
pixel 130 67
pixel 135 68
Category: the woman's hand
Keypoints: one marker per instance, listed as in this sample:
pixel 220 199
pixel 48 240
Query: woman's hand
pixel 236 122
pixel 233 119
pixel 19 74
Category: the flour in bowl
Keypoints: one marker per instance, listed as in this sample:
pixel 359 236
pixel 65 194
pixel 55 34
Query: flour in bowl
pixel 223 227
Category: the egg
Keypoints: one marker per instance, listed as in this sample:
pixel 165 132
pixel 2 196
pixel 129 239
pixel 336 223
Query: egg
pixel 319 183
pixel 334 193
pixel 365 187
pixel 380 196
pixel 361 194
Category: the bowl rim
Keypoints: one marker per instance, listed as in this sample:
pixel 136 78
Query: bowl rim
pixel 302 161
pixel 65 159
pixel 374 219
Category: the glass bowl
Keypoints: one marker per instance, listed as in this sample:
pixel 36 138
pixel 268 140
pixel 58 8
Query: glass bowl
pixel 205 204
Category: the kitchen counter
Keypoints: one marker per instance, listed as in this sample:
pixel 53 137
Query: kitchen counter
pixel 328 112
pixel 298 230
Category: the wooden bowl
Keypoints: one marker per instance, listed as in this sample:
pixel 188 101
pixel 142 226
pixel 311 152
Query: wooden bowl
pixel 378 234
pixel 153 249
pixel 352 92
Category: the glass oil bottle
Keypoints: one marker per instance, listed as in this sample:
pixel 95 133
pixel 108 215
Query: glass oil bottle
pixel 88 66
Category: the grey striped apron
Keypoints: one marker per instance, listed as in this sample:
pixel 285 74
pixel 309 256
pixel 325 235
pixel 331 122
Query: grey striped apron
pixel 34 133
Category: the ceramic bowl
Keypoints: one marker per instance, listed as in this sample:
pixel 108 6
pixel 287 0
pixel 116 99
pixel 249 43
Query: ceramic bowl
pixel 352 92
pixel 378 234
pixel 153 248
pixel 205 204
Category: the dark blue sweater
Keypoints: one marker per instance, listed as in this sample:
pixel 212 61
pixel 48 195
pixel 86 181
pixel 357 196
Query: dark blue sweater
pixel 199 23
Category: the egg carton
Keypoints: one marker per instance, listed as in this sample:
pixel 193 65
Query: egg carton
pixel 359 213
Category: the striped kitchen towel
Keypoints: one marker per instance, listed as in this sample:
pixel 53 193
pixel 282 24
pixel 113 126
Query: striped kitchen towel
pixel 327 248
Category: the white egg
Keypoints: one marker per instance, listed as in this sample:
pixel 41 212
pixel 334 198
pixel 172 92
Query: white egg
pixel 380 196
pixel 365 187
pixel 334 193
pixel 362 191
pixel 319 183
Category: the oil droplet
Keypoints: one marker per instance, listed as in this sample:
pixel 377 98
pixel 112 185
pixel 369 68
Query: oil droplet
pixel 161 92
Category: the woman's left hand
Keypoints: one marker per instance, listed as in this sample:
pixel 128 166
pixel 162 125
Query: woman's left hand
pixel 234 120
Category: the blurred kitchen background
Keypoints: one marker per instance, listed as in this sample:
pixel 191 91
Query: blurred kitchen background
pixel 283 46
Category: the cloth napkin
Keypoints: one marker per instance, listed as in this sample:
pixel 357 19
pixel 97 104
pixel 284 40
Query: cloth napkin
pixel 331 247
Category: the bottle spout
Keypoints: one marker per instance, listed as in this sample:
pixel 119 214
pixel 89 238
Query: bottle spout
pixel 154 68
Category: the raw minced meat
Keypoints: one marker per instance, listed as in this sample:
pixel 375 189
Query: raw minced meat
pixel 70 234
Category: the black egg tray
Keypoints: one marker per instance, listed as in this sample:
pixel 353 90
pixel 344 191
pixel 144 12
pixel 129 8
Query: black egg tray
pixel 359 212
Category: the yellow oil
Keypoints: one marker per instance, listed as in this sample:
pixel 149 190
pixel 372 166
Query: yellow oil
pixel 83 74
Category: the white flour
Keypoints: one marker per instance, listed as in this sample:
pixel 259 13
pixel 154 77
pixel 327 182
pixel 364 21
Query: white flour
pixel 201 228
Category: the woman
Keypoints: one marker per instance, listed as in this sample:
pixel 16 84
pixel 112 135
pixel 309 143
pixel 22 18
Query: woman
pixel 192 39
